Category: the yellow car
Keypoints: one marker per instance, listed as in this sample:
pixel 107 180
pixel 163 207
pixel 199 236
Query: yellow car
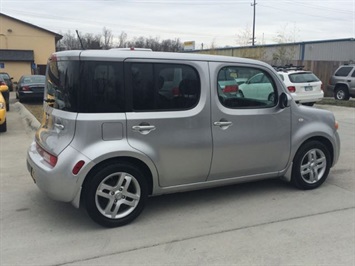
pixel 2 113
pixel 4 89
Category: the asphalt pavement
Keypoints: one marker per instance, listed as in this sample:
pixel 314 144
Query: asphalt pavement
pixel 259 223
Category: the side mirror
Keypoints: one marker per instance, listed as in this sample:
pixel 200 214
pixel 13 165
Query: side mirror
pixel 284 101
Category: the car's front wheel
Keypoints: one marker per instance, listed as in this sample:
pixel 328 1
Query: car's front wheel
pixel 115 194
pixel 311 165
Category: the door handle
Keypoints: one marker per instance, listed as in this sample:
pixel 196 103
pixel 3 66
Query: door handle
pixel 223 124
pixel 143 129
pixel 59 126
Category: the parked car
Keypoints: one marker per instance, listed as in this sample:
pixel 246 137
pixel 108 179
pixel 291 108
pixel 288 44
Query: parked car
pixel 30 87
pixel 3 127
pixel 8 80
pixel 304 86
pixel 122 125
pixel 258 87
pixel 342 82
pixel 4 89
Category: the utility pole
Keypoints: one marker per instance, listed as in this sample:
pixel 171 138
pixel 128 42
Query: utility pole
pixel 253 40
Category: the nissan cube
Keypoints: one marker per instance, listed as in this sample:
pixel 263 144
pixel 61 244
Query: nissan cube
pixel 120 126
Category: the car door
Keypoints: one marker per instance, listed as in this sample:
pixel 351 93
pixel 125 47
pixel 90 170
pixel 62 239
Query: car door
pixel 251 136
pixel 352 80
pixel 169 119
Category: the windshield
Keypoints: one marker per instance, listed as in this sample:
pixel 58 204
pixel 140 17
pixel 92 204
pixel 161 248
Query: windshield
pixel 34 79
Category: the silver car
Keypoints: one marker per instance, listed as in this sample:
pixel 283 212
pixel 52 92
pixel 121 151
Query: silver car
pixel 124 125
pixel 342 82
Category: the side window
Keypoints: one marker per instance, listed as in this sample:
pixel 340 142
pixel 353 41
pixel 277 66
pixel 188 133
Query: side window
pixel 252 88
pixel 353 74
pixel 163 87
pixel 343 72
pixel 62 86
pixel 102 88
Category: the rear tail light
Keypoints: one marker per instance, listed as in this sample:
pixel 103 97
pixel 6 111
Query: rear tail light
pixel 322 87
pixel 291 88
pixel 25 88
pixel 49 158
pixel 230 88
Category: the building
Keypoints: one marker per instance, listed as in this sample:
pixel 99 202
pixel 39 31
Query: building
pixel 24 48
pixel 322 57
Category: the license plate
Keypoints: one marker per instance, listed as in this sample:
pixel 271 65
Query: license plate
pixel 308 88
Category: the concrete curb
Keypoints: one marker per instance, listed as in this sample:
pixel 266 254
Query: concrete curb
pixel 30 121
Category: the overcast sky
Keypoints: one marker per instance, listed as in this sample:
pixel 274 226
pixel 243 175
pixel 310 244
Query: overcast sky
pixel 203 21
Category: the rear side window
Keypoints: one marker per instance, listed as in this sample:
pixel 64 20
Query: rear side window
pixel 62 85
pixel 343 71
pixel 303 77
pixel 86 87
pixel 163 87
pixel 102 87
pixel 246 88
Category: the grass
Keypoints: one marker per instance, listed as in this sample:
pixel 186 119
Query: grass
pixel 332 101
pixel 37 108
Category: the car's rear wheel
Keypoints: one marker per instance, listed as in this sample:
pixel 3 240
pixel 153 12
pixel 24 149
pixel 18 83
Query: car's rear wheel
pixel 311 165
pixel 115 194
pixel 3 127
pixel 341 93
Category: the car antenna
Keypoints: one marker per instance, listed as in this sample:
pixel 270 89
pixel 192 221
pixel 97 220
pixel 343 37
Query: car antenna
pixel 81 42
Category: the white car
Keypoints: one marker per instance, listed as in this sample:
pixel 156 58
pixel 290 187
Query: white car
pixel 304 86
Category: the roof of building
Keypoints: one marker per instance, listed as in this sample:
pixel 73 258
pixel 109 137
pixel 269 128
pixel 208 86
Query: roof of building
pixel 57 36
pixel 278 44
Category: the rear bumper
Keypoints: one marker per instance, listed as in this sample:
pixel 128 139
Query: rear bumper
pixel 310 97
pixel 30 94
pixel 58 183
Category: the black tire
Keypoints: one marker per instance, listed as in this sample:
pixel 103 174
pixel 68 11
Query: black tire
pixel 3 127
pixel 309 104
pixel 311 165
pixel 341 93
pixel 111 185
pixel 7 106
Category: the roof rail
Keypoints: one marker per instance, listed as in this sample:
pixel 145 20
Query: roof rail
pixel 288 67
pixel 132 49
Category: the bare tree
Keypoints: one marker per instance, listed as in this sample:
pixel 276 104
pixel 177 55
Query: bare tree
pixel 122 40
pixel 155 44
pixel 68 42
pixel 91 41
pixel 285 53
pixel 107 38
pixel 244 37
